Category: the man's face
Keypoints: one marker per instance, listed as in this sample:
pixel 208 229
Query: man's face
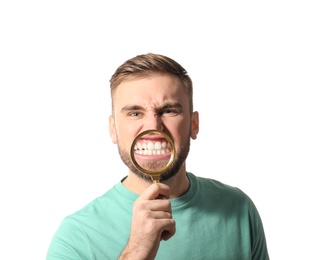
pixel 156 102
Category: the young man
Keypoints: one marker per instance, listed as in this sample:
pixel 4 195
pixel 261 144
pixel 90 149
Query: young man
pixel 182 217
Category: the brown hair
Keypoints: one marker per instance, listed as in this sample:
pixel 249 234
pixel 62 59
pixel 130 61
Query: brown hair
pixel 147 64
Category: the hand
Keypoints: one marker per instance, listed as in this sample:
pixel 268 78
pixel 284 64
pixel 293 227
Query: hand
pixel 151 222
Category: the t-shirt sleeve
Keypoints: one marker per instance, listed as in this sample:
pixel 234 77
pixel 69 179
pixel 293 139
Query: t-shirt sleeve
pixel 69 243
pixel 259 245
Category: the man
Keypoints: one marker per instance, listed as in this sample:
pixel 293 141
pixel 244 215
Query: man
pixel 182 217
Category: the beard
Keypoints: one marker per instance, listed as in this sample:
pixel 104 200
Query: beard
pixel 178 161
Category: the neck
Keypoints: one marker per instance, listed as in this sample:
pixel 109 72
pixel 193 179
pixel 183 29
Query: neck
pixel 179 184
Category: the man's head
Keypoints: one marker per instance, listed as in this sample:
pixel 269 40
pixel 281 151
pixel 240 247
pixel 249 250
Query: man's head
pixel 152 92
pixel 148 64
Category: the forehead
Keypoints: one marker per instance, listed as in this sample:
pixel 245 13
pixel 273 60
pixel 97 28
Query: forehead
pixel 152 89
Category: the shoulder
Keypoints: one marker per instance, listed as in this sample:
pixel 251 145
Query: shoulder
pixel 98 206
pixel 216 191
pixel 214 186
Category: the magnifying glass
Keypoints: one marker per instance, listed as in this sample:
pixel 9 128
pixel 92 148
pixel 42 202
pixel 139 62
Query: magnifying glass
pixel 152 152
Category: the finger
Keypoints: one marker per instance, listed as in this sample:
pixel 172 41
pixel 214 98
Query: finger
pixel 154 190
pixel 161 215
pixel 152 205
pixel 169 230
pixel 159 205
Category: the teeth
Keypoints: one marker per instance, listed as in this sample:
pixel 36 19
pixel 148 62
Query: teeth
pixel 151 148
pixel 157 146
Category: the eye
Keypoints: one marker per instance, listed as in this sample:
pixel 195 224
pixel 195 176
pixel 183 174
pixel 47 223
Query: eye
pixel 170 109
pixel 134 114
pixel 169 112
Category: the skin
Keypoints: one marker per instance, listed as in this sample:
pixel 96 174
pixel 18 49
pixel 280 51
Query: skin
pixel 141 104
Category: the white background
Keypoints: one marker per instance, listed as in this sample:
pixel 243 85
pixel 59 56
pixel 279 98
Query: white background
pixel 250 62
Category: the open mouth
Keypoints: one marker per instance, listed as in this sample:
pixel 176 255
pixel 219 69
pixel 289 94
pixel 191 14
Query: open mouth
pixel 152 147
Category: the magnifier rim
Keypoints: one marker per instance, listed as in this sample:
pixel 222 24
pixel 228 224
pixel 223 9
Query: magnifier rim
pixel 153 173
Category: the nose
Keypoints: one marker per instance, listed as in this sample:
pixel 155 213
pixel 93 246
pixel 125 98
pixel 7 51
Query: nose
pixel 153 121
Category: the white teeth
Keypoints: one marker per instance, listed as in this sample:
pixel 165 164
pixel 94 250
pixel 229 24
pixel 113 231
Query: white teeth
pixel 151 148
pixel 157 145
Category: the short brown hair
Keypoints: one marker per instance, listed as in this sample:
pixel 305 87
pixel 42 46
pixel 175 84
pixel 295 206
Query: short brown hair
pixel 150 63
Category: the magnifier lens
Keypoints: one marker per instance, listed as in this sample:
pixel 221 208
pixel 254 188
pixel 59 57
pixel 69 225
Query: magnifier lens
pixel 152 152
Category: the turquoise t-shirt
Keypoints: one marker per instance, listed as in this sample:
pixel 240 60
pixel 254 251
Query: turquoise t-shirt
pixel 213 221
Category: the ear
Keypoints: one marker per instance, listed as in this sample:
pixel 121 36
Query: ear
pixel 194 125
pixel 112 130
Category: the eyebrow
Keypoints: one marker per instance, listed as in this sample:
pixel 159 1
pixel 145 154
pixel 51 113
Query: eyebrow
pixel 170 105
pixel 131 107
pixel 163 107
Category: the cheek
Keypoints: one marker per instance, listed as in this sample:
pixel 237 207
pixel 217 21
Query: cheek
pixel 125 136
pixel 184 135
